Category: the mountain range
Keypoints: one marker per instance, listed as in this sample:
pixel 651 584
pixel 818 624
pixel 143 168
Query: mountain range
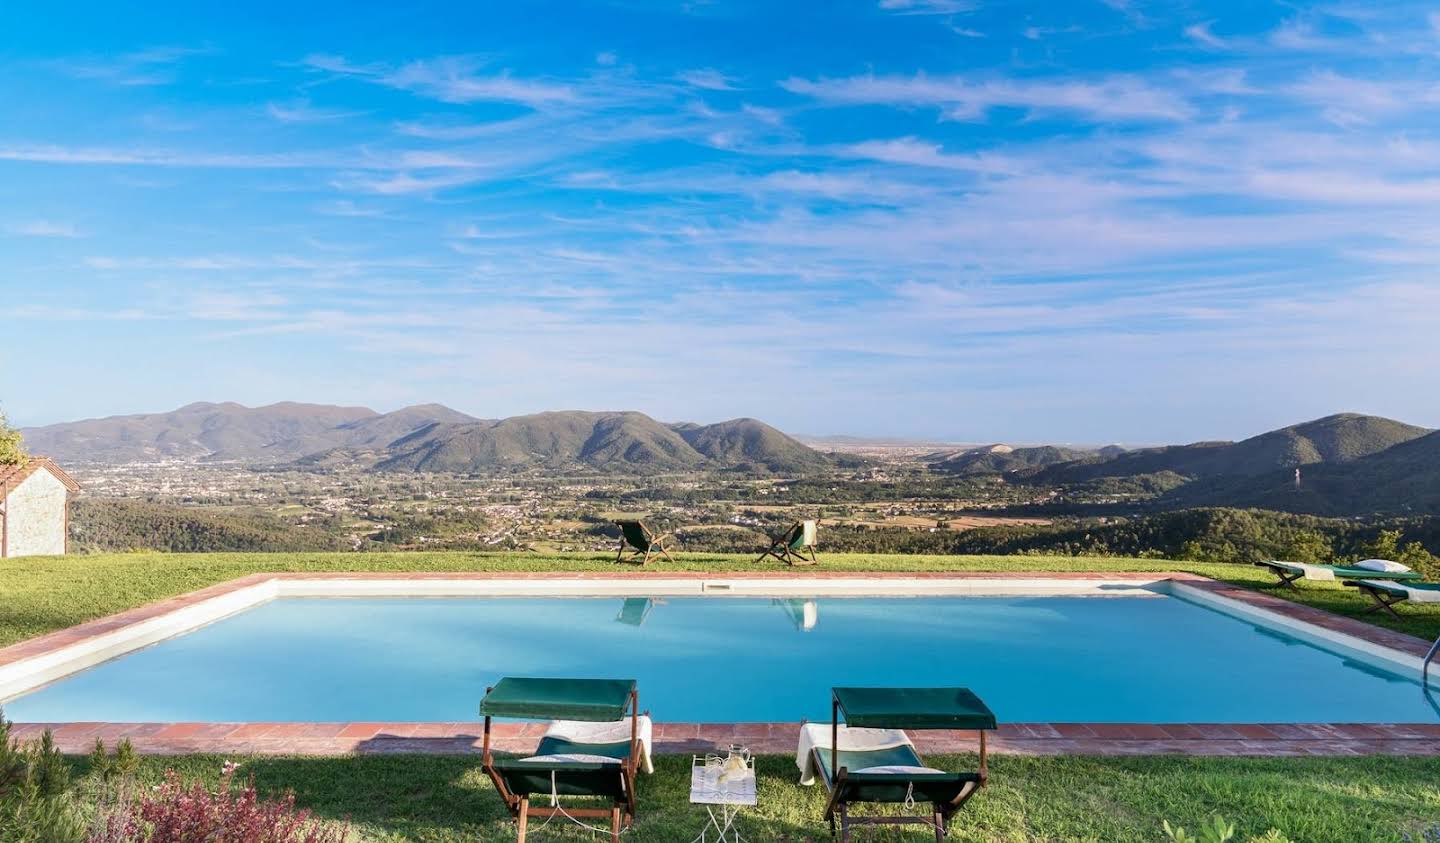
pixel 426 437
pixel 1349 464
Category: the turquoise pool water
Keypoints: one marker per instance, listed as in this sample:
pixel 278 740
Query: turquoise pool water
pixel 1157 659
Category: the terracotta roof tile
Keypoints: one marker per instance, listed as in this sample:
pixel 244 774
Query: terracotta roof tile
pixel 14 475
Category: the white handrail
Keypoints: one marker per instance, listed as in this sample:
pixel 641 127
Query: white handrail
pixel 1425 665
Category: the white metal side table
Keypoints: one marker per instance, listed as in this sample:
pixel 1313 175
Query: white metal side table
pixel 722 797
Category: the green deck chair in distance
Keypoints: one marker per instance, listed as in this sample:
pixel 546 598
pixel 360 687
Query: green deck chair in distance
pixel 1290 572
pixel 639 542
pixel 561 768
pixel 897 773
pixel 792 545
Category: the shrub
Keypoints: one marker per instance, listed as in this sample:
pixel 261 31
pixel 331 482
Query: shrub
pixel 12 448
pixel 34 807
pixel 179 813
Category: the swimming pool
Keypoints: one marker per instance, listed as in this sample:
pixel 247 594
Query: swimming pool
pixel 1146 655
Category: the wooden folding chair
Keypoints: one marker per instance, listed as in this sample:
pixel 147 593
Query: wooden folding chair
pixel 793 545
pixel 640 542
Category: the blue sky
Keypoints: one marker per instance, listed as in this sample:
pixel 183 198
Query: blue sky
pixel 1096 220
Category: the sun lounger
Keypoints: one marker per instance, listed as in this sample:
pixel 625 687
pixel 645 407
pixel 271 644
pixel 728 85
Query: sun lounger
pixel 592 750
pixel 1387 593
pixel 1290 572
pixel 640 541
pixel 872 759
pixel 793 545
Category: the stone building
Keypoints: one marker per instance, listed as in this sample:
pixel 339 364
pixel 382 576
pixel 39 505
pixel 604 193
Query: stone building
pixel 35 509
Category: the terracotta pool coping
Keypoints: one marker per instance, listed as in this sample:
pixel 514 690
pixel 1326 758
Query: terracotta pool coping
pixel 1027 739
pixel 329 739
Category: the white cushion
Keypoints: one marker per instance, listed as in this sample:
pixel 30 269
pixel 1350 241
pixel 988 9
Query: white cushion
pixel 572 757
pixel 1382 565
pixel 898 770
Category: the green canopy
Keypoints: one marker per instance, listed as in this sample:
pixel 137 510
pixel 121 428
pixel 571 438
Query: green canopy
pixel 558 699
pixel 914 708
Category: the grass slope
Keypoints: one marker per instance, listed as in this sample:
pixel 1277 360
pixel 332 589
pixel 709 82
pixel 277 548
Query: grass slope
pixel 42 594
pixel 445 799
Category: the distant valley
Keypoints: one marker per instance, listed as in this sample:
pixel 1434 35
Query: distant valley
pixel 1350 464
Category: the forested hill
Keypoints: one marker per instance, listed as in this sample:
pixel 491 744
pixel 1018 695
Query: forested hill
pixel 1350 464
pixel 1333 439
pixel 602 441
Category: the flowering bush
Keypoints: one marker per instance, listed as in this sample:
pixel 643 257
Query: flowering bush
pixel 179 813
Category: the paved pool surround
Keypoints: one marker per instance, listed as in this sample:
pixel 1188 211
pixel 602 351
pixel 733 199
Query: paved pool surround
pixel 40 660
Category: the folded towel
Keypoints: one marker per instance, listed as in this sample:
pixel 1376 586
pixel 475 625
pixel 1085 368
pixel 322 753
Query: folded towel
pixel 572 758
pixel 583 731
pixel 1312 572
pixel 817 736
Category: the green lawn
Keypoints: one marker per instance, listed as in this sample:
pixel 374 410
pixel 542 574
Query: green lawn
pixel 1314 800
pixel 42 594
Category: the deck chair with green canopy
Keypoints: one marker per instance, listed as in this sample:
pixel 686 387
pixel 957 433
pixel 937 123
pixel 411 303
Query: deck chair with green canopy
pixel 567 768
pixel 635 536
pixel 871 759
pixel 792 545
pixel 1290 572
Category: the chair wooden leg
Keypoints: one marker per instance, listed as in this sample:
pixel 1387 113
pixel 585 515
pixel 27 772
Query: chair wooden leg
pixel 939 820
pixel 615 824
pixel 621 552
pixel 522 819
pixel 844 824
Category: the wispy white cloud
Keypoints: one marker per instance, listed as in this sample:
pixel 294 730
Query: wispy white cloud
pixel 708 79
pixel 43 228
pixel 149 66
pixel 346 208
pixel 962 97
pixel 915 152
pixel 454 79
pixel 303 111
pixel 1203 34
pixel 60 154
pixel 928 7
